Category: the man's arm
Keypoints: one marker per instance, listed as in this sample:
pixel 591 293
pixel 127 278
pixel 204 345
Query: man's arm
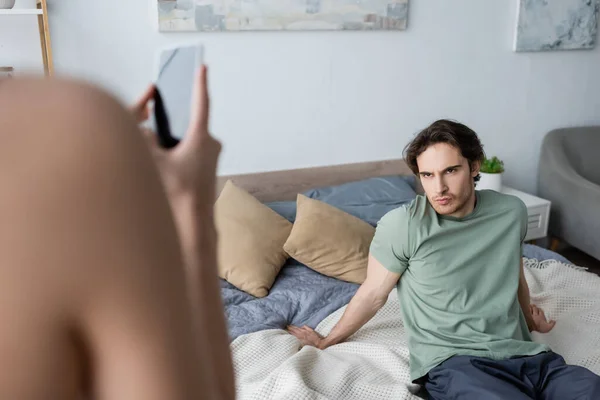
pixel 536 319
pixel 524 299
pixel 369 298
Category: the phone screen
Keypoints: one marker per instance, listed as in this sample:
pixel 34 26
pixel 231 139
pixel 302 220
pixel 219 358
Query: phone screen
pixel 175 74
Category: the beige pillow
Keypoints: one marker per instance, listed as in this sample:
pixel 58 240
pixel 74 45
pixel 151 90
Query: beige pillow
pixel 250 244
pixel 330 241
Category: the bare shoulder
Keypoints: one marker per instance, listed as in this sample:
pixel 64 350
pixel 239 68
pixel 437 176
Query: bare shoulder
pixel 92 283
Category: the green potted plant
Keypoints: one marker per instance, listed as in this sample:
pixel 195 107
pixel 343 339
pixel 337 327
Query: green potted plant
pixel 491 174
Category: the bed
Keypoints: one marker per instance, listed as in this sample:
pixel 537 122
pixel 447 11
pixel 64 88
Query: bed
pixel 374 362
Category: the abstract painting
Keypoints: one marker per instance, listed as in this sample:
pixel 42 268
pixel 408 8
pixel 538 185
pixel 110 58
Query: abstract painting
pixel 545 25
pixel 290 15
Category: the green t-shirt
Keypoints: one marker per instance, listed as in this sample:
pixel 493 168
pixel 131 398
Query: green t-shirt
pixel 458 289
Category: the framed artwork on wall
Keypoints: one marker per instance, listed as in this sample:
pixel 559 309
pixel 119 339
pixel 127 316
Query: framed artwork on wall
pixel 281 15
pixel 546 25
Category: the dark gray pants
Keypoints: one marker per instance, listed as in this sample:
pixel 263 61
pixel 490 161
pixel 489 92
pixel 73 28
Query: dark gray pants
pixel 543 376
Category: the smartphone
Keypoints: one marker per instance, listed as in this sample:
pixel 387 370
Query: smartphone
pixel 175 71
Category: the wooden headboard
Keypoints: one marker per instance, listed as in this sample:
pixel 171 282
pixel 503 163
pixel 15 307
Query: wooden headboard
pixel 286 184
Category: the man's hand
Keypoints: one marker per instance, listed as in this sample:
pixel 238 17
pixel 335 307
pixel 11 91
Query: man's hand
pixel 306 335
pixel 363 306
pixel 539 319
pixel 188 170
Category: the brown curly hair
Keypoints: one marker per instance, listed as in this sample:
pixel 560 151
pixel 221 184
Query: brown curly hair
pixel 445 131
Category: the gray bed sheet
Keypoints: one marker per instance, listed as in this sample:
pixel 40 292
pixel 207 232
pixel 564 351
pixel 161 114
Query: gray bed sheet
pixel 301 296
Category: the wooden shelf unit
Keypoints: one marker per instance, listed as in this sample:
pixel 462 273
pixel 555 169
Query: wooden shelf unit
pixel 41 11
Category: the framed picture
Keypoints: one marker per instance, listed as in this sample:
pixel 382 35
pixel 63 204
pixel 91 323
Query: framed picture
pixel 281 15
pixel 544 25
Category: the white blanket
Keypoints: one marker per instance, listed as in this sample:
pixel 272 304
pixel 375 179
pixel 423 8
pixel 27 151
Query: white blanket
pixel 373 364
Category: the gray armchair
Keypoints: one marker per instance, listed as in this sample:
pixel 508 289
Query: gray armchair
pixel 569 176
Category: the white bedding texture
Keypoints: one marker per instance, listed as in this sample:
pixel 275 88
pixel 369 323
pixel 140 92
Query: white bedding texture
pixel 373 363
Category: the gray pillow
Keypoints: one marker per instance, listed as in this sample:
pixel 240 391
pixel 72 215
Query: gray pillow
pixel 380 190
pixel 368 199
pixel 287 209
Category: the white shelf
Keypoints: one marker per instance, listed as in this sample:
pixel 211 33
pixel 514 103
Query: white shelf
pixel 22 11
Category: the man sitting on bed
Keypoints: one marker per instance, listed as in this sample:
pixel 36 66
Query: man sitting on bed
pixel 455 256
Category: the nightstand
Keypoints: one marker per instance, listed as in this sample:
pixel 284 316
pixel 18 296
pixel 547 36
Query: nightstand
pixel 538 213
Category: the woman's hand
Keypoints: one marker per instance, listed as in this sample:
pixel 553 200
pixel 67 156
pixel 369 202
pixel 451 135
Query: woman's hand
pixel 188 171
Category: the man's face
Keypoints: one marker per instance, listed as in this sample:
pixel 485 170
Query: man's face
pixel 447 179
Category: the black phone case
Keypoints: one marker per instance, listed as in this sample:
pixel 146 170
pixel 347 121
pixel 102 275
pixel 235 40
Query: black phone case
pixel 163 128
